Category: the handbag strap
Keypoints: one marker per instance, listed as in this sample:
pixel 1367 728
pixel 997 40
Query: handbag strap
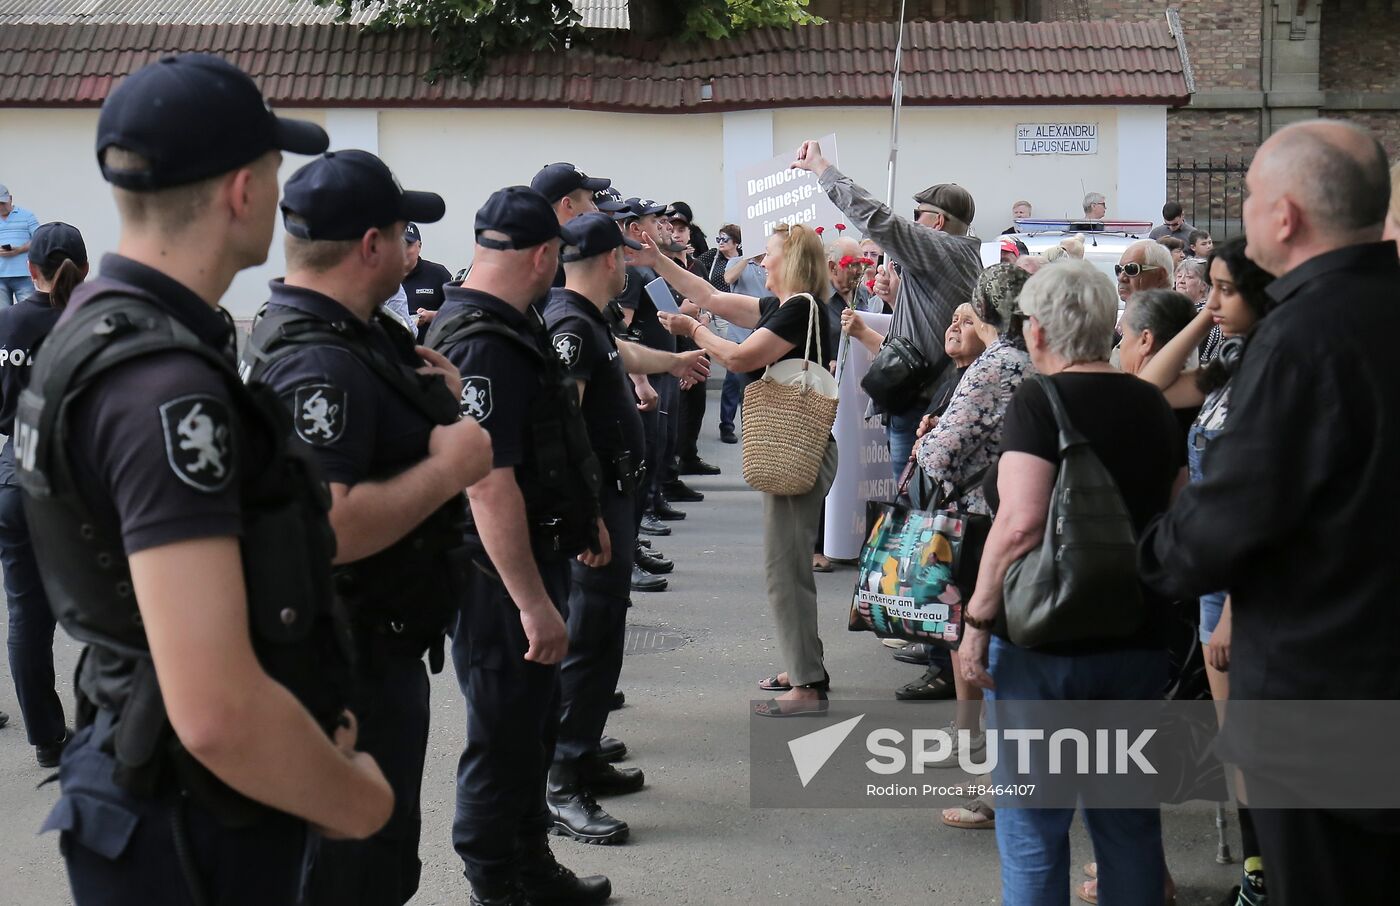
pixel 812 329
pixel 1069 435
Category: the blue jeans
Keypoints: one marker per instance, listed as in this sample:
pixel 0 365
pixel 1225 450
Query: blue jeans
pixel 31 625
pixel 15 289
pixel 730 396
pixel 900 431
pixel 1034 843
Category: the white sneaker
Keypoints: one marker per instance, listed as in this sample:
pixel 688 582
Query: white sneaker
pixel 895 643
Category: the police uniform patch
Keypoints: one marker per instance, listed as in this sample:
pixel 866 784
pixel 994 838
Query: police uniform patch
pixel 318 411
pixel 476 397
pixel 198 444
pixel 567 346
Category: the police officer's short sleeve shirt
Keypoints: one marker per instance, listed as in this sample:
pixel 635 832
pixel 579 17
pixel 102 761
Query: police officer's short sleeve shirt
pixel 500 380
pixel 581 339
pixel 357 426
pixel 161 448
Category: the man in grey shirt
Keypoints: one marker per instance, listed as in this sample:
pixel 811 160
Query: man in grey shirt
pixel 939 265
pixel 1173 224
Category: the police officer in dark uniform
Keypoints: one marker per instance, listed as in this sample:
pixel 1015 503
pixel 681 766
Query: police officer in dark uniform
pixel 397 458
pixel 58 262
pixel 423 282
pixel 600 595
pixel 537 509
pixel 570 192
pixel 182 538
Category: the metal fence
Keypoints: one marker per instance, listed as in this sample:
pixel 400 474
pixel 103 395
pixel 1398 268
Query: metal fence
pixel 1211 193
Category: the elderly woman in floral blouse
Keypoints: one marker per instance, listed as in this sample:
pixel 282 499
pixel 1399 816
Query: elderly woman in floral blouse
pixel 964 443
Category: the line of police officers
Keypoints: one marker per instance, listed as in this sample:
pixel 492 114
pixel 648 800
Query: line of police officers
pixel 258 557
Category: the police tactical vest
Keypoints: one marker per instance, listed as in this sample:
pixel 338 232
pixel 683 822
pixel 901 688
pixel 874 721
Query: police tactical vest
pixel 410 591
pixel 298 630
pixel 560 477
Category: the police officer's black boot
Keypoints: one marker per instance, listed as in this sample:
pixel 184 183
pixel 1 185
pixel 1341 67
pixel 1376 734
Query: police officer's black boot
pixel 497 893
pixel 604 779
pixel 576 813
pixel 547 883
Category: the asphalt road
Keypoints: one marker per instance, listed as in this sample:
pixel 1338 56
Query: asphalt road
pixel 695 840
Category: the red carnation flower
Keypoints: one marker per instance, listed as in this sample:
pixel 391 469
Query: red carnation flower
pixel 840 228
pixel 868 262
pixel 819 230
pixel 870 285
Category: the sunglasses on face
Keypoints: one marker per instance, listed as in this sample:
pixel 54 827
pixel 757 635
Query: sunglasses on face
pixel 722 239
pixel 918 211
pixel 1134 269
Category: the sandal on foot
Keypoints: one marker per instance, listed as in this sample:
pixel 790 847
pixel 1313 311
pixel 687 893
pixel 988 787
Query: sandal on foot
pixel 1088 891
pixel 821 564
pixel 773 684
pixel 1091 869
pixel 976 815
pixel 793 707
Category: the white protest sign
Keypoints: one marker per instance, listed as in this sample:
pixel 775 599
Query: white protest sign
pixel 771 193
pixel 863 467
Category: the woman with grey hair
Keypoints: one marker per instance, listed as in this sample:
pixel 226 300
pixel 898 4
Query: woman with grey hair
pixel 1070 310
pixel 961 447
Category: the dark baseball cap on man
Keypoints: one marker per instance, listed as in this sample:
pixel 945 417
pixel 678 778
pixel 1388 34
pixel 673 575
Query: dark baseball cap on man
pixel 679 210
pixel 609 201
pixel 341 194
pixel 643 207
pixel 950 198
pixel 521 214
pixel 193 116
pixel 557 180
pixel 411 234
pixel 54 242
pixel 590 235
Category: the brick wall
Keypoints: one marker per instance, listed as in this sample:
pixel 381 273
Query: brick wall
pixel 1204 134
pixel 1361 45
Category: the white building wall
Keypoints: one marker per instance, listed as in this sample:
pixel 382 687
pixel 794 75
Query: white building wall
pixel 467 154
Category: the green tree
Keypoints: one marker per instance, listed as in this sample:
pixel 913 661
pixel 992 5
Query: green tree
pixel 468 34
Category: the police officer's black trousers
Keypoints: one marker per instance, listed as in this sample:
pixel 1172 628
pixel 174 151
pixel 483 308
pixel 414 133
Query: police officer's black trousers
pixel 390 703
pixel 661 447
pixel 598 602
pixel 122 850
pixel 692 415
pixel 31 625
pixel 512 719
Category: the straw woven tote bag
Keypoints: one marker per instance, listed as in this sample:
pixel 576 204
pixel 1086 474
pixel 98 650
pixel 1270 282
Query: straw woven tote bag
pixel 788 415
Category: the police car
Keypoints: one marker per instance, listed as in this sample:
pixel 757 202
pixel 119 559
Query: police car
pixel 1104 240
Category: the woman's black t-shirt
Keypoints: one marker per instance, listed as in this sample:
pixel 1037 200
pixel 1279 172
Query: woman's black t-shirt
pixel 1135 434
pixel 789 321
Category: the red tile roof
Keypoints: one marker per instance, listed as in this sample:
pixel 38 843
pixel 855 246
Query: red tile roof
pixel 841 63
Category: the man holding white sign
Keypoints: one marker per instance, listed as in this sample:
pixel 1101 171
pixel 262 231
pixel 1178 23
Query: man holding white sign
pixel 939 264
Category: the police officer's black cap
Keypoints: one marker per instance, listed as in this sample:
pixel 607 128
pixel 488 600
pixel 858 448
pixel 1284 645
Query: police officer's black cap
pixel 193 116
pixel 682 210
pixel 557 180
pixel 643 207
pixel 590 235
pixel 411 234
pixel 341 194
pixel 610 202
pixel 53 242
pixel 521 214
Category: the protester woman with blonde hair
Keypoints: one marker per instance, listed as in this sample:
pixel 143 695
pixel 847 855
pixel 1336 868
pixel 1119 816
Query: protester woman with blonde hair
pixel 796 265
